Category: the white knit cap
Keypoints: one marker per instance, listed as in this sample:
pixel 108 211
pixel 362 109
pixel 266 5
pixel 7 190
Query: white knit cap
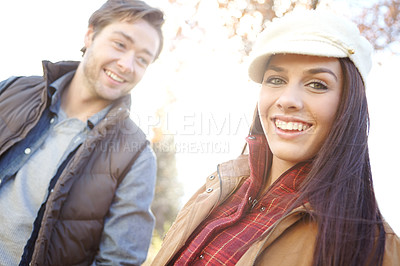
pixel 311 32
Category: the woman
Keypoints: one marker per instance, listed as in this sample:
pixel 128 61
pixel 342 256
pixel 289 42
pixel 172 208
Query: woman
pixel 303 195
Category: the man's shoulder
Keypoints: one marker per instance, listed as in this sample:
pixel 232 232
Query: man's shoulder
pixel 131 130
pixel 147 155
pixel 20 83
pixel 31 79
pixel 20 79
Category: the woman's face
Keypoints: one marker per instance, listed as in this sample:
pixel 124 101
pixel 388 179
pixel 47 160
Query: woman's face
pixel 297 105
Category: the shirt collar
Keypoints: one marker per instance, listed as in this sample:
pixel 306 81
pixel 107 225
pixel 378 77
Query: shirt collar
pixel 257 162
pixel 96 118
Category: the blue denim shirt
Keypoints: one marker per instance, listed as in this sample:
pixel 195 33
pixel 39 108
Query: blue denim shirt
pixel 129 223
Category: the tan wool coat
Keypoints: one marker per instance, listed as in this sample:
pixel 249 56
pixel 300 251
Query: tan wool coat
pixel 289 242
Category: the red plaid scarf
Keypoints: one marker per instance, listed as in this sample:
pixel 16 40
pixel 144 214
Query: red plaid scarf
pixel 232 227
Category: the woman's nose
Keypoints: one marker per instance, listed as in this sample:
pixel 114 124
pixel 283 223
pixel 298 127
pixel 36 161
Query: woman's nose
pixel 290 98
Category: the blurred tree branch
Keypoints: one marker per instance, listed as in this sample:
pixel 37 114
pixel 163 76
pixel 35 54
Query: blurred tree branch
pixel 380 23
pixel 244 19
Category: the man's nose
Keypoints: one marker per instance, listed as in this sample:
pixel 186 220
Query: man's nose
pixel 127 63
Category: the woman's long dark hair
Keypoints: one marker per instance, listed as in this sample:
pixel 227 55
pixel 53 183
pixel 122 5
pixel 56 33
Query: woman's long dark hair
pixel 339 186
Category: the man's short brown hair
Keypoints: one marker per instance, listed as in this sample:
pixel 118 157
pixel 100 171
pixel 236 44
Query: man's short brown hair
pixel 127 10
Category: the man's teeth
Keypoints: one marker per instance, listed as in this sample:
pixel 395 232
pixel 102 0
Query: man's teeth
pixel 291 125
pixel 113 76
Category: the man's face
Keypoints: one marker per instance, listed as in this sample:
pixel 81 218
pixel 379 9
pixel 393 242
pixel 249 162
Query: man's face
pixel 117 58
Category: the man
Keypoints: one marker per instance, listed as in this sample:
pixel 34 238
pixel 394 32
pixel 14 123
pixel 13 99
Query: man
pixel 77 175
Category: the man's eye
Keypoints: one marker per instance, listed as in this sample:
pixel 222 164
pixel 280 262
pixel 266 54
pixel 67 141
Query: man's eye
pixel 120 45
pixel 143 61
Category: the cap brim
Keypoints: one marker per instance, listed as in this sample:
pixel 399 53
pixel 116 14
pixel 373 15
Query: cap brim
pixel 315 48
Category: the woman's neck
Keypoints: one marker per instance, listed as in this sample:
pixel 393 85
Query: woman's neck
pixel 278 167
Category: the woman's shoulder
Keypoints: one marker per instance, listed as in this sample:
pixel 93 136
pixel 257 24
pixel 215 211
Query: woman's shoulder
pixel 236 167
pixel 392 247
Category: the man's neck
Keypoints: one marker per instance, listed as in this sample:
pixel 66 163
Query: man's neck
pixel 77 102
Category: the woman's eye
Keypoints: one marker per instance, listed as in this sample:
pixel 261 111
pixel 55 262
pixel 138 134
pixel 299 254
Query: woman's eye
pixel 275 81
pixel 318 85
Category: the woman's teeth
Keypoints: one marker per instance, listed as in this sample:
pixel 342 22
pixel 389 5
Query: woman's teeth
pixel 291 125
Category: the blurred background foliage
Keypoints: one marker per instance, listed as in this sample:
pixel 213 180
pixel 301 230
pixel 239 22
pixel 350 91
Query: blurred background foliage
pixel 378 20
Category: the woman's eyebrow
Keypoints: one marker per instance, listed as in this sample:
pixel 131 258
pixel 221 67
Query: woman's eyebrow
pixel 310 71
pixel 276 68
pixel 321 70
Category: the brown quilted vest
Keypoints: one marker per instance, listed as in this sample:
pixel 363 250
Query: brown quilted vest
pixel 73 220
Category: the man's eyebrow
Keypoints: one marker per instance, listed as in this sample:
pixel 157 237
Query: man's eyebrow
pixel 321 70
pixel 129 39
